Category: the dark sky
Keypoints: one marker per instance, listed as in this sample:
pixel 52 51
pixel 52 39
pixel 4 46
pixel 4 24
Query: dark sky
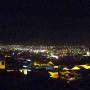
pixel 45 21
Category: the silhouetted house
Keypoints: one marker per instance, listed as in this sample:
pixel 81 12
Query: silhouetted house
pixel 12 63
pixel 68 60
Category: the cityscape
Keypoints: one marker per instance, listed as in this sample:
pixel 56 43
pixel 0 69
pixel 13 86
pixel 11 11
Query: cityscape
pixel 67 63
pixel 45 45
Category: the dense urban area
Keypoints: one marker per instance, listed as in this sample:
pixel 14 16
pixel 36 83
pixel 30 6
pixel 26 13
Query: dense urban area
pixel 67 63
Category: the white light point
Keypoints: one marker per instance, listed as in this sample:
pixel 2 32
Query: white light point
pixel 28 60
pixel 54 56
pixel 24 66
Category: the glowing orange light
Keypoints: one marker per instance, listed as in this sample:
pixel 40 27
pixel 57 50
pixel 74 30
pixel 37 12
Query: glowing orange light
pixel 54 75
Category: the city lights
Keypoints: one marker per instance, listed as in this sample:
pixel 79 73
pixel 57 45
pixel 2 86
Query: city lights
pixel 60 62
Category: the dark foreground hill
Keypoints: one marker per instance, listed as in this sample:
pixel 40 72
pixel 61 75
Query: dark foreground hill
pixel 14 81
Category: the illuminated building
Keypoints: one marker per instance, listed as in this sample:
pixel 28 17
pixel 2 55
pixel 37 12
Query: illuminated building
pixel 2 64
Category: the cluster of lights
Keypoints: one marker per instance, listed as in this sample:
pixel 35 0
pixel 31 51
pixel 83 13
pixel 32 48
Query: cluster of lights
pixel 54 53
pixel 65 73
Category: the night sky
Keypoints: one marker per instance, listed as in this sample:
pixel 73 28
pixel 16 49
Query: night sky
pixel 44 21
